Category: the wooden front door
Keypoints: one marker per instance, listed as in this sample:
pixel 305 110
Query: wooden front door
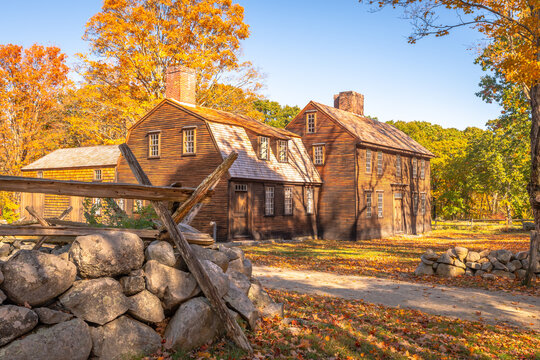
pixel 398 212
pixel 240 211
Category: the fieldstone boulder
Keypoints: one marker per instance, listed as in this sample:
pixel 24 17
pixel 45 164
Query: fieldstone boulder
pixel 240 302
pixel 445 258
pixel 497 265
pixel 4 250
pixel 50 317
pixel 459 264
pixel 146 307
pixel 504 256
pixel 124 338
pixel 193 325
pixel 479 272
pixel 487 266
pixel 217 257
pixel 133 283
pixel 68 340
pixel 241 265
pixel 430 255
pixel 15 321
pixel 240 280
pixel 217 276
pixel 449 270
pixel 34 277
pixel 263 302
pixel 162 252
pixel 60 249
pixel 423 269
pixel 525 263
pixel 1 276
pixel 484 253
pixel 107 255
pixel 483 260
pixel 488 276
pixel 472 256
pixel 231 254
pixel 461 252
pixel 97 301
pixel 516 264
pixel 522 255
pixel 511 267
pixel 474 265
pixel 171 285
pixel 502 273
pixel 520 274
pixel 3 297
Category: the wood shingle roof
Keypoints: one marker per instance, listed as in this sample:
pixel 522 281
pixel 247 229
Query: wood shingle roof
pixel 90 156
pixel 372 132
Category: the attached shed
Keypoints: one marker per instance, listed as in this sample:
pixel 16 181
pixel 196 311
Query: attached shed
pixel 93 163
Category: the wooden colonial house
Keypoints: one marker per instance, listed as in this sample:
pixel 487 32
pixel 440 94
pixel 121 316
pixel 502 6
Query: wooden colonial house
pixel 93 163
pixel 376 179
pixel 271 190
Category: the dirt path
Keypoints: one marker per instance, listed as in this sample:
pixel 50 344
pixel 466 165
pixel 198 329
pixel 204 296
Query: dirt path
pixel 468 304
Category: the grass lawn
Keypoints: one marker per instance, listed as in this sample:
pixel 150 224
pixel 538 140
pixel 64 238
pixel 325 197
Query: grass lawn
pixel 395 257
pixel 332 328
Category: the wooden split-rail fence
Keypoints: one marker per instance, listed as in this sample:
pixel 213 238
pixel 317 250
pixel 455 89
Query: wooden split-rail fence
pixel 175 226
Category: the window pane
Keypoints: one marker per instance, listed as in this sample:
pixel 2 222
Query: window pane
pixel 368 160
pixel 154 144
pixel 288 201
pixel 311 123
pixel 283 148
pixel 309 200
pixel 380 204
pixel 368 204
pixel 318 154
pixel 398 165
pixel 189 141
pixel 269 201
pixel 263 148
pixel 379 163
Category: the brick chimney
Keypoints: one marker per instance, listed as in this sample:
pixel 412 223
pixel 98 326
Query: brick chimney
pixel 181 84
pixel 350 101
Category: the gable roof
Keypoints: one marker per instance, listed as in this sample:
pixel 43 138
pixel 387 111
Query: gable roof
pixel 372 132
pixel 104 155
pixel 298 169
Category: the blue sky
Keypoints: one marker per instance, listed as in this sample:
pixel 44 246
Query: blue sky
pixel 310 50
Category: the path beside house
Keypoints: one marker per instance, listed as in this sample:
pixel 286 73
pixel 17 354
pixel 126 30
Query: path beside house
pixel 467 304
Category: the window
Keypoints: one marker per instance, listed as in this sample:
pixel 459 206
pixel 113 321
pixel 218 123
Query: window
pixel 269 201
pixel 288 200
pixel 154 145
pixel 97 175
pixel 309 200
pixel 263 148
pixel 380 204
pixel 121 204
pixel 189 140
pixel 310 123
pixel 138 205
pixel 283 150
pixel 398 165
pixel 96 202
pixel 423 204
pixel 422 169
pixel 318 154
pixel 240 187
pixel 415 203
pixel 368 204
pixel 414 168
pixel 40 174
pixel 379 163
pixel 368 161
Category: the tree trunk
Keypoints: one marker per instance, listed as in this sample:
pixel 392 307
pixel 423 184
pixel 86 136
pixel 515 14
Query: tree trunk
pixel 534 185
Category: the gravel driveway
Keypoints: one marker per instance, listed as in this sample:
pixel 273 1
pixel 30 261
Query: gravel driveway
pixel 494 307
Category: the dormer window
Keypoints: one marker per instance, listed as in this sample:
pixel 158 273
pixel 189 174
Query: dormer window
pixel 263 148
pixel 97 175
pixel 310 122
pixel 283 149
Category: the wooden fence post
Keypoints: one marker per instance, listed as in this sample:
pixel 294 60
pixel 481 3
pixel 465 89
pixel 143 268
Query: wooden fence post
pixel 195 267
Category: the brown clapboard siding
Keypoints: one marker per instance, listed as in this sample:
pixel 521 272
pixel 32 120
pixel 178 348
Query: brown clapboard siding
pixel 173 167
pixel 336 206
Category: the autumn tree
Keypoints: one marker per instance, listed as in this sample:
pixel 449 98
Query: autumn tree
pixel 512 31
pixel 31 81
pixel 276 114
pixel 132 44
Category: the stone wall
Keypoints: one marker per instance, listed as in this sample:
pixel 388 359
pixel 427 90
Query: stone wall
pixel 488 264
pixel 104 296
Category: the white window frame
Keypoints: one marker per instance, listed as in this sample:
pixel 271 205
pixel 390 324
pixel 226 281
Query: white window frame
pixel 423 203
pixel 39 174
pixel 288 200
pixel 269 203
pixel 121 203
pixel 138 204
pixel 379 163
pixel 97 202
pixel 398 165
pixel 369 204
pixel 283 151
pixel 422 169
pixel 188 140
pixel 309 200
pixel 414 168
pixel 380 204
pixel 154 144
pixel 311 119
pixel 415 203
pixel 318 154
pixel 264 147
pixel 98 175
pixel 368 161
